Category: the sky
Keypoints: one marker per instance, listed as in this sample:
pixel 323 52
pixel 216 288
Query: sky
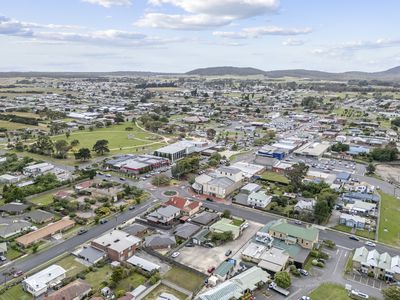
pixel 181 35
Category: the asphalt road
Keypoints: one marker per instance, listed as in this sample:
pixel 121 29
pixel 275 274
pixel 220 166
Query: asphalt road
pixel 69 245
pixel 340 239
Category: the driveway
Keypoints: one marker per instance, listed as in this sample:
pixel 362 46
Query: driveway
pixel 201 258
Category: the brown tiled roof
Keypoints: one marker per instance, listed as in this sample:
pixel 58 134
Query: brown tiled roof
pixel 71 291
pixel 44 232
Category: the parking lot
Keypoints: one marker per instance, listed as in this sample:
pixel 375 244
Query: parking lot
pixel 367 281
pixel 201 258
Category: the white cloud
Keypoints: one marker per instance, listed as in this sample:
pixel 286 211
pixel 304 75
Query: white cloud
pixel 293 42
pixel 255 32
pixel 206 13
pixel 64 33
pixel 109 3
pixel 349 48
pixel 184 22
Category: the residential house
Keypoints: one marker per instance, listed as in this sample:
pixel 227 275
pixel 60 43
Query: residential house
pixel 14 208
pixel 118 244
pixel 39 216
pixel 76 290
pixel 305 206
pixel 259 199
pixel 45 232
pixel 352 221
pixel 39 283
pixel 164 215
pixel 186 230
pixel 186 206
pixel 160 241
pixel 144 264
pixel 227 225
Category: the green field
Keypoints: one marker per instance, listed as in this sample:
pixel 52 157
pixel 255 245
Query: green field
pixel 389 220
pixel 185 279
pixel 16 292
pixel 116 135
pixel 44 199
pixel 329 291
pixel 274 177
pixel 15 126
pixel 161 289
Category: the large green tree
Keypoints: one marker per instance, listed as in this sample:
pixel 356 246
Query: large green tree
pixel 321 211
pixel 296 175
pixel 62 147
pixel 101 147
pixel 83 154
pixel 283 279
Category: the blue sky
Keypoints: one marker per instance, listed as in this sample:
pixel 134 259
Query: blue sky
pixel 180 35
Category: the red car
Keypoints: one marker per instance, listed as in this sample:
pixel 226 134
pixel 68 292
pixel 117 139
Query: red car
pixel 17 274
pixel 210 269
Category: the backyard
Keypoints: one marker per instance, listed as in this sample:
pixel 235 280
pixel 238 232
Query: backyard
pixel 389 225
pixel 96 278
pixel 16 292
pixel 329 291
pixel 43 200
pixel 274 177
pixel 153 295
pixel 131 282
pixel 185 279
pixel 72 266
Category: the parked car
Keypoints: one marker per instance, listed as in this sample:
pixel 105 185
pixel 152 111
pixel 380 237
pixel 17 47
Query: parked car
pixel 189 245
pixel 245 225
pixel 82 231
pixel 108 175
pixel 298 222
pixel 18 273
pixel 229 252
pixel 175 254
pixel 209 245
pixel 369 243
pixel 3 258
pixel 305 298
pixel 321 260
pixel 122 179
pixel 303 272
pixel 132 207
pixel 354 238
pixel 210 269
pixel 103 221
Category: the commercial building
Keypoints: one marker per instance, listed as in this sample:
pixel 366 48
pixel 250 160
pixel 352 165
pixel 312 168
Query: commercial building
pixel 39 283
pixel 37 169
pixel 227 225
pixel 136 164
pixel 182 149
pixel 118 244
pixel 313 149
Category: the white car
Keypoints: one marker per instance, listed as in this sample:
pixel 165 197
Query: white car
pixel 369 243
pixel 245 225
pixel 175 254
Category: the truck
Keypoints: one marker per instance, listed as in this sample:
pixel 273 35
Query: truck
pixel 276 288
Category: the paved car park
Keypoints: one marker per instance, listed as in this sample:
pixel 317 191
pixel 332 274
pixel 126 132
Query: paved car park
pixel 201 258
pixel 367 281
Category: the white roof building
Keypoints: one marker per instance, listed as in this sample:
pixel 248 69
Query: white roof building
pixel 38 283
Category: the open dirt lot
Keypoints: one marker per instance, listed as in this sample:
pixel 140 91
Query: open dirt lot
pixel 201 258
pixel 389 172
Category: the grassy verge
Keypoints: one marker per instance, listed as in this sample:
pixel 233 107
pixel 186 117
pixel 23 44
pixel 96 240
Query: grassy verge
pixel 329 291
pixel 389 225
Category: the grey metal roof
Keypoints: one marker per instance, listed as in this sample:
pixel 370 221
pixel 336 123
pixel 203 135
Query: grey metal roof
pixel 186 230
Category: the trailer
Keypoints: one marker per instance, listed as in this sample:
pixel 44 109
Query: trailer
pixel 276 288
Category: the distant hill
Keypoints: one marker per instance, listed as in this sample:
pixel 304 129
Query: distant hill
pixel 390 74
pixel 221 71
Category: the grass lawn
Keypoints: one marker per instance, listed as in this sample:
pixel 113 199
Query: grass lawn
pixel 161 289
pixel 71 265
pixel 44 199
pixel 274 177
pixel 130 283
pixel 185 279
pixel 13 254
pixel 14 125
pixel 389 220
pixel 16 292
pixel 237 222
pixel 329 291
pixel 116 135
pixel 96 278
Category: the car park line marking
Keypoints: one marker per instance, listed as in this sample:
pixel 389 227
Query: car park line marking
pixel 337 263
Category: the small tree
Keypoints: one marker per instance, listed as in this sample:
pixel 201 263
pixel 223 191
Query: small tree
pixel 370 168
pixel 226 214
pixel 283 279
pixel 160 180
